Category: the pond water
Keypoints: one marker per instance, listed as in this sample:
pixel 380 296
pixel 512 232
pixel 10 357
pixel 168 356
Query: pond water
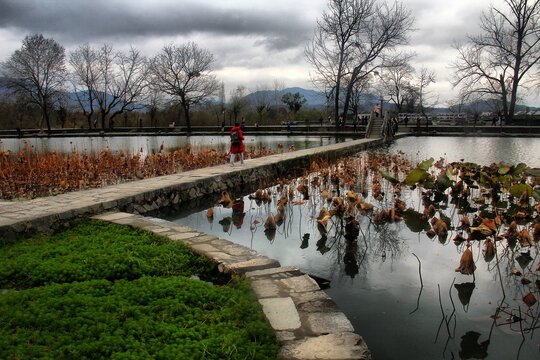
pixel 152 144
pixel 398 286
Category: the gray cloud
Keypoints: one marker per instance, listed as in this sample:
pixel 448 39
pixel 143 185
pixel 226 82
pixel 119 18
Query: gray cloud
pixel 84 21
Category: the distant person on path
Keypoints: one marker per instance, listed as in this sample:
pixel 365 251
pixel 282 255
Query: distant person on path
pixel 242 124
pixel 354 120
pixel 321 120
pixel 406 121
pixel 237 144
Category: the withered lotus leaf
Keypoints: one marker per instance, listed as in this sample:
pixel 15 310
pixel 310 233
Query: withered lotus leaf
pixel 324 212
pixel 489 253
pixel 326 195
pixel 525 238
pixel 529 299
pixel 270 224
pixel 466 264
pixel 324 221
pixel 278 219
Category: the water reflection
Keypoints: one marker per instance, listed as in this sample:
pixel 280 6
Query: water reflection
pixel 390 277
pixel 145 145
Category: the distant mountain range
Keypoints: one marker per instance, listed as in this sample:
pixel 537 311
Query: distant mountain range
pixel 316 99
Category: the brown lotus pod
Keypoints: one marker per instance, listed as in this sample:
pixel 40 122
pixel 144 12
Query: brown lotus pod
pixel 490 224
pixel 270 224
pixel 366 206
pixel 465 222
pixel 210 213
pixel 440 228
pixel 326 195
pixel 323 213
pixel 225 199
pixel 529 299
pixel 350 211
pixel 301 188
pixel 352 197
pixel 490 250
pixel 339 206
pixel 536 233
pixel 324 221
pixel 525 238
pixel 278 219
pixel 466 264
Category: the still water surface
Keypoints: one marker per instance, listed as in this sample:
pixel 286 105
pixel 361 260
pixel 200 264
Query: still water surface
pixel 152 144
pixel 376 281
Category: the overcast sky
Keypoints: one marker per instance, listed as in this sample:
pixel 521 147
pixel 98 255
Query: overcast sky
pixel 254 42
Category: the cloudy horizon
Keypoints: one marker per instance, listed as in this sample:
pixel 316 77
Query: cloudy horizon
pixel 253 43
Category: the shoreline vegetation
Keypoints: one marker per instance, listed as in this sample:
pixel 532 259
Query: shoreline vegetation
pixel 100 290
pixel 32 174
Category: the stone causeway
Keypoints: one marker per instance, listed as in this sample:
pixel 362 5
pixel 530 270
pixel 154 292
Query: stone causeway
pixel 306 320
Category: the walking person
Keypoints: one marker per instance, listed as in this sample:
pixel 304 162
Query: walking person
pixel 237 144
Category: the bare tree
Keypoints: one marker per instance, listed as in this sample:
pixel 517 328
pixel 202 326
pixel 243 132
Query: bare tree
pixel 330 49
pixel 238 101
pixel 425 98
pixel 184 72
pixel 37 73
pixel 501 58
pixel 84 78
pixel 382 30
pixel 351 41
pixel 397 79
pixel 108 82
pixel 261 100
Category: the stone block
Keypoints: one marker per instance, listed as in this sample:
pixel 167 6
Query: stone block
pixel 302 283
pixel 204 248
pixel 265 288
pixel 253 264
pixel 183 236
pixel 328 322
pixel 273 271
pixel 281 313
pixel 112 216
pixel 344 346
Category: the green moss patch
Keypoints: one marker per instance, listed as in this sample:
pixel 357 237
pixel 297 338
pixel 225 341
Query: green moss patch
pixel 102 291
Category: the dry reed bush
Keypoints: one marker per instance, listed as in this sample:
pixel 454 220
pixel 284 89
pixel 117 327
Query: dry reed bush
pixel 30 174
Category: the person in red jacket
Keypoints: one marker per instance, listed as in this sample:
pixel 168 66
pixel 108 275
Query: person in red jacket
pixel 237 144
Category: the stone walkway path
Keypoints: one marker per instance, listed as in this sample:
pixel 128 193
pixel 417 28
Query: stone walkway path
pixel 306 320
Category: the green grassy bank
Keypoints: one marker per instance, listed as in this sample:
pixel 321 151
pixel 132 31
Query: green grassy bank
pixel 103 291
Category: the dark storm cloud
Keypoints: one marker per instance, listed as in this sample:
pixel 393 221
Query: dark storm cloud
pixel 88 21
